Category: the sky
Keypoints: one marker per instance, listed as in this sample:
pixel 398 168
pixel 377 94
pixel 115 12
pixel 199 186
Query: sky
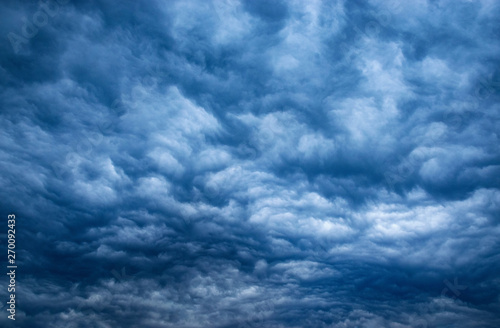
pixel 251 163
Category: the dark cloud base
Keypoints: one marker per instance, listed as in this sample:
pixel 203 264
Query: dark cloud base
pixel 252 164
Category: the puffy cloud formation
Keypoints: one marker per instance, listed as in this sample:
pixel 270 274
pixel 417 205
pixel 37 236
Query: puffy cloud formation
pixel 252 163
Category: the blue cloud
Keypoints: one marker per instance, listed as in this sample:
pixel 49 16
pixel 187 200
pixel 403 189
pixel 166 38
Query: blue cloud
pixel 248 164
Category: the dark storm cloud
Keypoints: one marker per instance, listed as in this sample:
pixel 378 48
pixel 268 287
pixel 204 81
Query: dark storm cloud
pixel 248 164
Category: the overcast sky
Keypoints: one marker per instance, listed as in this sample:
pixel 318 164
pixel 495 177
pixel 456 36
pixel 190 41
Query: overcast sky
pixel 252 163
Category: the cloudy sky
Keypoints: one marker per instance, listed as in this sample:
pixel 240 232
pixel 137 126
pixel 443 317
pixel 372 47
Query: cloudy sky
pixel 252 163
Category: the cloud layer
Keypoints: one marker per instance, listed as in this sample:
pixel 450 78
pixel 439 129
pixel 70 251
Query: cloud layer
pixel 252 164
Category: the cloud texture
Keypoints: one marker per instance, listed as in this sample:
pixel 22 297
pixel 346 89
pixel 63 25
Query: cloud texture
pixel 252 163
